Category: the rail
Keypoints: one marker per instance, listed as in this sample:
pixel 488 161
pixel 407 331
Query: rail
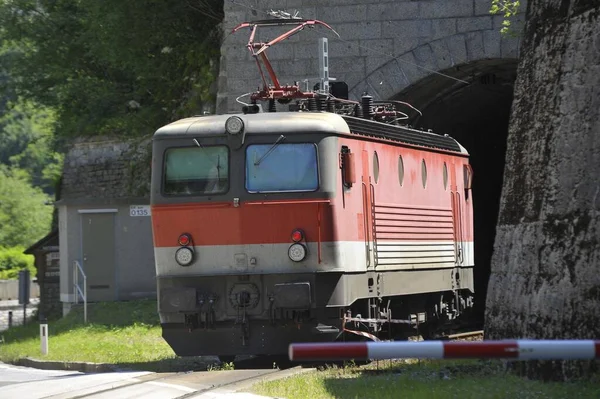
pixel 469 334
pixel 77 269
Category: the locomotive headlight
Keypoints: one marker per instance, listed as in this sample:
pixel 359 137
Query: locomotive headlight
pixel 297 252
pixel 234 125
pixel 184 256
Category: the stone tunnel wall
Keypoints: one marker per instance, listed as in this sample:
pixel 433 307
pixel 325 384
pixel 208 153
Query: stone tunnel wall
pixel 545 279
pixel 381 42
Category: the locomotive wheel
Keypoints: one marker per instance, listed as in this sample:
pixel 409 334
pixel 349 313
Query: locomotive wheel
pixel 226 358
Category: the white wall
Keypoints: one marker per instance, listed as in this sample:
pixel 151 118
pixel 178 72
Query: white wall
pixel 9 290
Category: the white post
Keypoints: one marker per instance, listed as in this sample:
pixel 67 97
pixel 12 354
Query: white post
pixel 44 337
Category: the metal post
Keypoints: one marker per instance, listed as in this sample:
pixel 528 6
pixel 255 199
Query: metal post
pixel 85 299
pixel 24 288
pixel 10 316
pixel 44 336
pixel 324 65
pixel 76 278
pixel 76 270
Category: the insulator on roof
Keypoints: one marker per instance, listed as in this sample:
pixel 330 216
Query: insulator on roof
pixel 330 105
pixel 358 111
pixel 367 104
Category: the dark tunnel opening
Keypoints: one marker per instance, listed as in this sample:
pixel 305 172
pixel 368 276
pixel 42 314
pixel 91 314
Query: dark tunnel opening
pixel 477 116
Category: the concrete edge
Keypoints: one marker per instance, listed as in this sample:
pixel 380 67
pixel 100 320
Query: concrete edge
pixel 65 366
pixel 88 367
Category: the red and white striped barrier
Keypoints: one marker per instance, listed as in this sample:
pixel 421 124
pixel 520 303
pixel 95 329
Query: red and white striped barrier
pixel 510 349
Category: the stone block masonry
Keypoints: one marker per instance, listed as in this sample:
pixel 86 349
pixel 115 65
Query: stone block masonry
pixel 373 34
pixel 106 168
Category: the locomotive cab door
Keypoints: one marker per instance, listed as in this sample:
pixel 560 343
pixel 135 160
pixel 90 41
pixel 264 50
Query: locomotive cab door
pixel 368 214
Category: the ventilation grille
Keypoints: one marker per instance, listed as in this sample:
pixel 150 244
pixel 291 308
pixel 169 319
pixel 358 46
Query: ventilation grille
pixel 409 235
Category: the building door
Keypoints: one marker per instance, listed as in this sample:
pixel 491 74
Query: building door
pixel 98 255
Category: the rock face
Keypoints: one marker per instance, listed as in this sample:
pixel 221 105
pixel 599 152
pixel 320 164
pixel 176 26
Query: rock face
pixel 545 278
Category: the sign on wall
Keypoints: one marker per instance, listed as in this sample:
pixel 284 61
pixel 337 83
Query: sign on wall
pixel 139 210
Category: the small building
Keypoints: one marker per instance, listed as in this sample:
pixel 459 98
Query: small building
pixel 104 221
pixel 47 262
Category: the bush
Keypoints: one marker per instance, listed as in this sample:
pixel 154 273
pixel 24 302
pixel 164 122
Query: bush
pixel 12 260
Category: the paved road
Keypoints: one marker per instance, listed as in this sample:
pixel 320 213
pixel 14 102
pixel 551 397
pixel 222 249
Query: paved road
pixel 23 382
pixel 17 311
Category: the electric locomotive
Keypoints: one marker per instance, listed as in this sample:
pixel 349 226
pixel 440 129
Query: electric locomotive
pixel 324 222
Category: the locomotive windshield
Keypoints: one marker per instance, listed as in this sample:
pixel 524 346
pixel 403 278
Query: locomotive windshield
pixel 197 170
pixel 287 167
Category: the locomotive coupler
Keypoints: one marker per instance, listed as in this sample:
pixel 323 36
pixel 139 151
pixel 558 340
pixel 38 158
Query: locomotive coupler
pixel 191 321
pixel 201 315
pixel 272 309
pixel 210 315
pixel 242 300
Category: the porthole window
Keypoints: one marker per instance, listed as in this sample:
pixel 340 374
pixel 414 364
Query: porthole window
pixel 445 176
pixel 375 166
pixel 400 170
pixel 424 173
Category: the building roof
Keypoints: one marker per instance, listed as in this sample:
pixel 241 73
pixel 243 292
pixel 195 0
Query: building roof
pixel 47 243
pixel 106 169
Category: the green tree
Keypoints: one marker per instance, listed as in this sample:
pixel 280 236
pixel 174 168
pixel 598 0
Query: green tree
pixel 27 143
pixel 12 260
pixel 112 66
pixel 25 216
pixel 508 9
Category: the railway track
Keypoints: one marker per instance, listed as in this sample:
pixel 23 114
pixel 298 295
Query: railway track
pixel 470 335
pixel 466 336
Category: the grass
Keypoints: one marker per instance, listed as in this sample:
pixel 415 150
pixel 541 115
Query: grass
pixel 426 379
pixel 126 334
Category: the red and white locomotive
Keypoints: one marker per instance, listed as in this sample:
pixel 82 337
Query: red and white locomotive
pixel 306 225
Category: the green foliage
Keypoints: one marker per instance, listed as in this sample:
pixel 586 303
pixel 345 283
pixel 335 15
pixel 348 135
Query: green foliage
pixel 127 334
pixel 112 67
pixel 27 143
pixel 227 366
pixel 508 8
pixel 12 260
pixel 428 380
pixel 24 215
pixel 74 68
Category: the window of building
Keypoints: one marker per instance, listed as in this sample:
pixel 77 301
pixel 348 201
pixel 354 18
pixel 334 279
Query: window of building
pixel 424 173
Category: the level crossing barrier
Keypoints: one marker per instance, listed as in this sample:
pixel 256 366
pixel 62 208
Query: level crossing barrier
pixel 504 349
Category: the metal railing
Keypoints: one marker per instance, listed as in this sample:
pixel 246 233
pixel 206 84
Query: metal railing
pixel 78 292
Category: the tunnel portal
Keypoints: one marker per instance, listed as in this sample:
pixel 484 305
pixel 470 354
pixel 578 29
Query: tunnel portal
pixel 477 115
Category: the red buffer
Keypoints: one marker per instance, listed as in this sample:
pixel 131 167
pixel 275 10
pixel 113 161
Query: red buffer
pixel 509 349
